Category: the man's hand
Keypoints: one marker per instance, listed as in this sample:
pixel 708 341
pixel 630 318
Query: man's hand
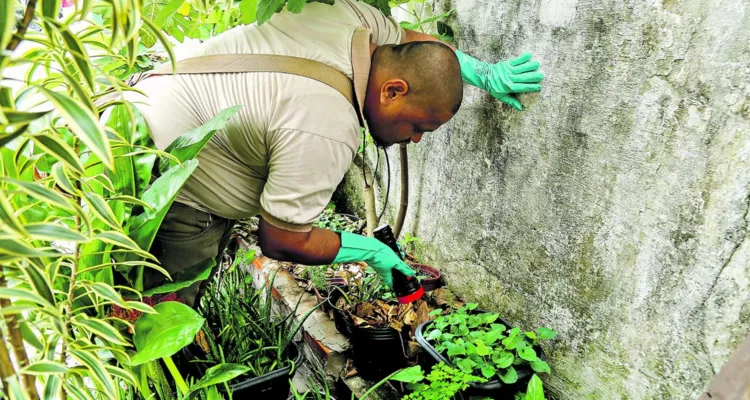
pixel 376 254
pixel 520 75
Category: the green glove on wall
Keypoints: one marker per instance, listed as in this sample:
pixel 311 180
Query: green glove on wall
pixel 381 258
pixel 520 75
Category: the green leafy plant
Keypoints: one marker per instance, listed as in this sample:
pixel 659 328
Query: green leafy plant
pixel 329 219
pixel 443 382
pixel 241 328
pixel 476 343
pixel 534 390
pixel 317 275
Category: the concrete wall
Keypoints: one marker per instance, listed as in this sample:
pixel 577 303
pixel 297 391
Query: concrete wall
pixel 615 208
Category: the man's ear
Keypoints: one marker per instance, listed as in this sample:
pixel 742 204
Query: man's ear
pixel 393 89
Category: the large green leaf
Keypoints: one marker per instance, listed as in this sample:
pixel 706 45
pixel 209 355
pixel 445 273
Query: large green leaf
pixel 535 390
pixel 83 123
pixel 129 125
pixel 165 333
pixel 161 194
pixel 190 143
pixel 183 279
pixel 217 374
pixel 266 9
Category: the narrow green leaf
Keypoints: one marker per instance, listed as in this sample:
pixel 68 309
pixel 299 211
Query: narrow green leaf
pixel 216 375
pixel 30 337
pixel 42 193
pixel 17 309
pixel 102 209
pixel 16 248
pixel 124 375
pixel 189 144
pixel 61 178
pixel 15 117
pixel 164 334
pixel 183 279
pixel 142 307
pixel 60 150
pixel 52 387
pixel 51 232
pixel 99 374
pixel 20 294
pixel 7 21
pixel 535 390
pixel 16 391
pixel 45 367
pixel 107 292
pixel 39 282
pixel 100 328
pixel 8 217
pixel 83 124
pixel 130 200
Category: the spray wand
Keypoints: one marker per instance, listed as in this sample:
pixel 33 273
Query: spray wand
pixel 407 288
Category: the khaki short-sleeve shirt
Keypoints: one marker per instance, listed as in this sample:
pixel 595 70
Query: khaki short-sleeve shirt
pixel 283 154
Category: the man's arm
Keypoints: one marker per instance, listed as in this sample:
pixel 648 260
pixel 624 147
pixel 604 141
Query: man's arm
pixel 317 247
pixel 321 246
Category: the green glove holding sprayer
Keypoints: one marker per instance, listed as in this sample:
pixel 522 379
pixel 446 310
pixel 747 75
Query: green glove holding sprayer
pixel 520 75
pixel 380 257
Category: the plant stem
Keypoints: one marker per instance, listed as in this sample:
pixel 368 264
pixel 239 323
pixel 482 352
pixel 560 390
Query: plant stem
pixel 369 193
pixel 404 156
pixel 27 17
pixel 377 385
pixel 16 340
pixel 179 382
pixel 6 366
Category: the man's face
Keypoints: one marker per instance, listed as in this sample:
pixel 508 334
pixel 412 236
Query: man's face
pixel 396 118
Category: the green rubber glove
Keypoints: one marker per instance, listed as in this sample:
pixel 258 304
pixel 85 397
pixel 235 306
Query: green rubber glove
pixel 520 75
pixel 381 258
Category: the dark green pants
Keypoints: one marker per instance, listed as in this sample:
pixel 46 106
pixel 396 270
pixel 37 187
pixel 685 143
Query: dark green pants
pixel 186 237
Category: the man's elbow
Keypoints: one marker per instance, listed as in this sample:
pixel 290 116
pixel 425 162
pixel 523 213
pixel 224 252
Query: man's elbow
pixel 274 249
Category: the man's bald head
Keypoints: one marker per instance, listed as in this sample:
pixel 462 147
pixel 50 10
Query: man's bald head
pixel 417 84
pixel 430 68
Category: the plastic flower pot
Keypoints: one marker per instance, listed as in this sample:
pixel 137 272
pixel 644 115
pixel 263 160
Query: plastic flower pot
pixel 333 283
pixel 273 385
pixel 341 319
pixel 430 277
pixel 377 351
pixel 321 392
pixel 495 388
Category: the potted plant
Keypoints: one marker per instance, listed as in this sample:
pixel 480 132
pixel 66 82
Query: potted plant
pixel 241 329
pixel 482 344
pixel 429 277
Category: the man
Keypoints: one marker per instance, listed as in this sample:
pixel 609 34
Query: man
pixel 290 145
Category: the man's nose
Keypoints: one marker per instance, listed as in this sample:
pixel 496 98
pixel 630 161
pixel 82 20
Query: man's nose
pixel 416 138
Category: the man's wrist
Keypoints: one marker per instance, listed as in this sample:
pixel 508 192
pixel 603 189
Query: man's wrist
pixel 473 71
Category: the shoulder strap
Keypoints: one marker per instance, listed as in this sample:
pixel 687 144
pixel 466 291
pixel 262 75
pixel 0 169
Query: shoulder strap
pixel 235 63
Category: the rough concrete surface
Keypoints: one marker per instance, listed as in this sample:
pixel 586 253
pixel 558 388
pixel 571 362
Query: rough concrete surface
pixel 614 209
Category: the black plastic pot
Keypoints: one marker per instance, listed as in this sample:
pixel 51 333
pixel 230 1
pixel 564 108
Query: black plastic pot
pixel 271 386
pixel 341 319
pixel 430 277
pixel 320 391
pixel 495 389
pixel 377 352
pixel 333 283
